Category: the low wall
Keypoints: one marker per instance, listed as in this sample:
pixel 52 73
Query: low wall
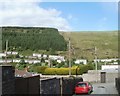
pixel 110 77
pixel 93 76
pixel 58 86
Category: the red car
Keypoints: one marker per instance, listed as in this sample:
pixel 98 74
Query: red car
pixel 83 88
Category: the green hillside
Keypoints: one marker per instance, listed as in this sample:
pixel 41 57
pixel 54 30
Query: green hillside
pixel 33 38
pixel 83 44
pixel 36 39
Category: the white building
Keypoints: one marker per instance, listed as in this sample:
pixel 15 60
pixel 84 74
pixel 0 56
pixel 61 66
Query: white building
pixel 59 61
pixel 44 56
pixel 9 52
pixel 54 57
pixel 12 53
pixel 109 67
pixel 106 60
pixel 32 61
pixel 84 61
pixel 2 54
pixel 37 55
pixel 4 61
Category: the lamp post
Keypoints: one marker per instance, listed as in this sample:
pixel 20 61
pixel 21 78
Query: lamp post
pixel 106 58
pixel 6 51
pixel 69 58
pixel 96 63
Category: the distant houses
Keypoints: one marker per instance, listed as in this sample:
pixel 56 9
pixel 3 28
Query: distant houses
pixel 110 67
pixel 8 53
pixel 2 54
pixel 81 61
pixel 112 60
pixel 37 55
pixel 54 57
pixel 11 53
pixel 37 58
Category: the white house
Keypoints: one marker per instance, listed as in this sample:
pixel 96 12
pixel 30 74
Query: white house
pixel 2 54
pixel 16 60
pixel 44 56
pixel 3 61
pixel 59 61
pixel 14 53
pixel 54 57
pixel 108 67
pixel 37 55
pixel 9 52
pixel 106 60
pixel 84 61
pixel 32 61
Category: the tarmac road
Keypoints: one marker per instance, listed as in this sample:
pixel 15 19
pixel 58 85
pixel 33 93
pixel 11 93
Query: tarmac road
pixel 103 89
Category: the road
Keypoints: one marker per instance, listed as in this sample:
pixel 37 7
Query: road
pixel 103 88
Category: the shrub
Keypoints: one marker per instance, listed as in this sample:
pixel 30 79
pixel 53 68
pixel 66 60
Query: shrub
pixel 39 69
pixel 63 71
pixel 59 71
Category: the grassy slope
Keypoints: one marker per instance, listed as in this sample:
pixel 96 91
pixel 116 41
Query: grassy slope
pixel 83 41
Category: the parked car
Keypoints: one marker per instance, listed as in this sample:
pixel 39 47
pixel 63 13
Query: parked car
pixel 83 88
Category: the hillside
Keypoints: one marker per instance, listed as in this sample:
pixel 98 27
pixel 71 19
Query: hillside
pixel 83 44
pixel 33 38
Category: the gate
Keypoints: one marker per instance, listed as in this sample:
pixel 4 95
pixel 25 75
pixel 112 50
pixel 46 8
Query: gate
pixel 103 77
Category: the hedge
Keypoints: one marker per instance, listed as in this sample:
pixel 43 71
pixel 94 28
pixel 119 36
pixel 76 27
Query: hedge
pixel 58 71
pixel 63 71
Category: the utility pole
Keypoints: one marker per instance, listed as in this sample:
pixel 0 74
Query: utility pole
pixel 6 51
pixel 69 58
pixel 96 64
pixel 95 59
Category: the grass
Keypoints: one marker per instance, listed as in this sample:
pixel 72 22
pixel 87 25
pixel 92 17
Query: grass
pixel 83 44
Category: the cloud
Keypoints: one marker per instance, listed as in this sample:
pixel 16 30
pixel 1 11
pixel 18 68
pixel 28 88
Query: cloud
pixel 24 13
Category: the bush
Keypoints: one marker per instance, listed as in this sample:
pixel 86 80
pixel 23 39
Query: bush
pixel 59 71
pixel 39 69
pixel 84 69
pixel 63 71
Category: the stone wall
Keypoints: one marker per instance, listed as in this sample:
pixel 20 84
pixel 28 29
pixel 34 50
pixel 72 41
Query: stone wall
pixel 95 76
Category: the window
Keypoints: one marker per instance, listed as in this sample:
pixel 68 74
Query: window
pixel 81 84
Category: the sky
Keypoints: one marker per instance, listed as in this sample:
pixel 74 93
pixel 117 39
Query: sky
pixel 65 16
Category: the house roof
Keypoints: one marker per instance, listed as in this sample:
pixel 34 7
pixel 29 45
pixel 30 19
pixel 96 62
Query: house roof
pixel 22 73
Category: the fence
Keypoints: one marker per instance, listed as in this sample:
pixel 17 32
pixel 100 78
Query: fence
pixel 29 85
pixel 63 86
pixel 50 86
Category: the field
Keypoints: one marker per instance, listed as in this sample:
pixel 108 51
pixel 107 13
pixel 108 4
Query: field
pixel 83 44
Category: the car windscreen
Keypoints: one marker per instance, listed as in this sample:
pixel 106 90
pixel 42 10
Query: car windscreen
pixel 81 84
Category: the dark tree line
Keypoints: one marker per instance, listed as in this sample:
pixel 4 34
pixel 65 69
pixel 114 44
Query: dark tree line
pixel 33 38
